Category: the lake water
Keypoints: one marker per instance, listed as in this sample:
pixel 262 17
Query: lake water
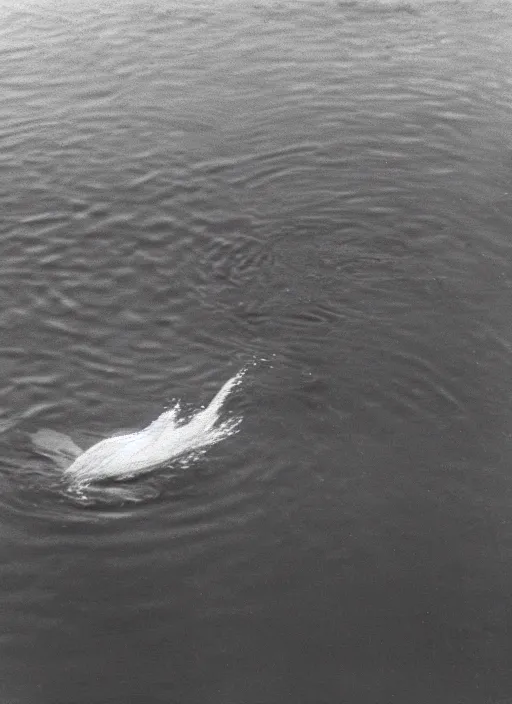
pixel 318 191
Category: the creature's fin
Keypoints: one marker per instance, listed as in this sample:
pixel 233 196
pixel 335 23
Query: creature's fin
pixel 57 446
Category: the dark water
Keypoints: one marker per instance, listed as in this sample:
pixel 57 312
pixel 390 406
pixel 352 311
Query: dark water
pixel 319 188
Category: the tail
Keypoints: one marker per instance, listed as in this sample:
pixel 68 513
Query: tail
pixel 209 415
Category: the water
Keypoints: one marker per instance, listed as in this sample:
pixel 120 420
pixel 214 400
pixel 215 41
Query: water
pixel 321 191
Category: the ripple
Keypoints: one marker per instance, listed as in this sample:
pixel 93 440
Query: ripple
pixel 235 259
pixel 379 8
pixel 323 185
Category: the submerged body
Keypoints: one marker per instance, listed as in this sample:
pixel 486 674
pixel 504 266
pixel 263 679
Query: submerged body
pixel 165 438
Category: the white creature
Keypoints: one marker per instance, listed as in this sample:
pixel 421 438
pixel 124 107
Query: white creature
pixel 125 456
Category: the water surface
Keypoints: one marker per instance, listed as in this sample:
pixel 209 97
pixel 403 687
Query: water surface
pixel 319 190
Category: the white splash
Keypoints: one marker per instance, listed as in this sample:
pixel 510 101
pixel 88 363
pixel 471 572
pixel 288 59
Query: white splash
pixel 164 439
